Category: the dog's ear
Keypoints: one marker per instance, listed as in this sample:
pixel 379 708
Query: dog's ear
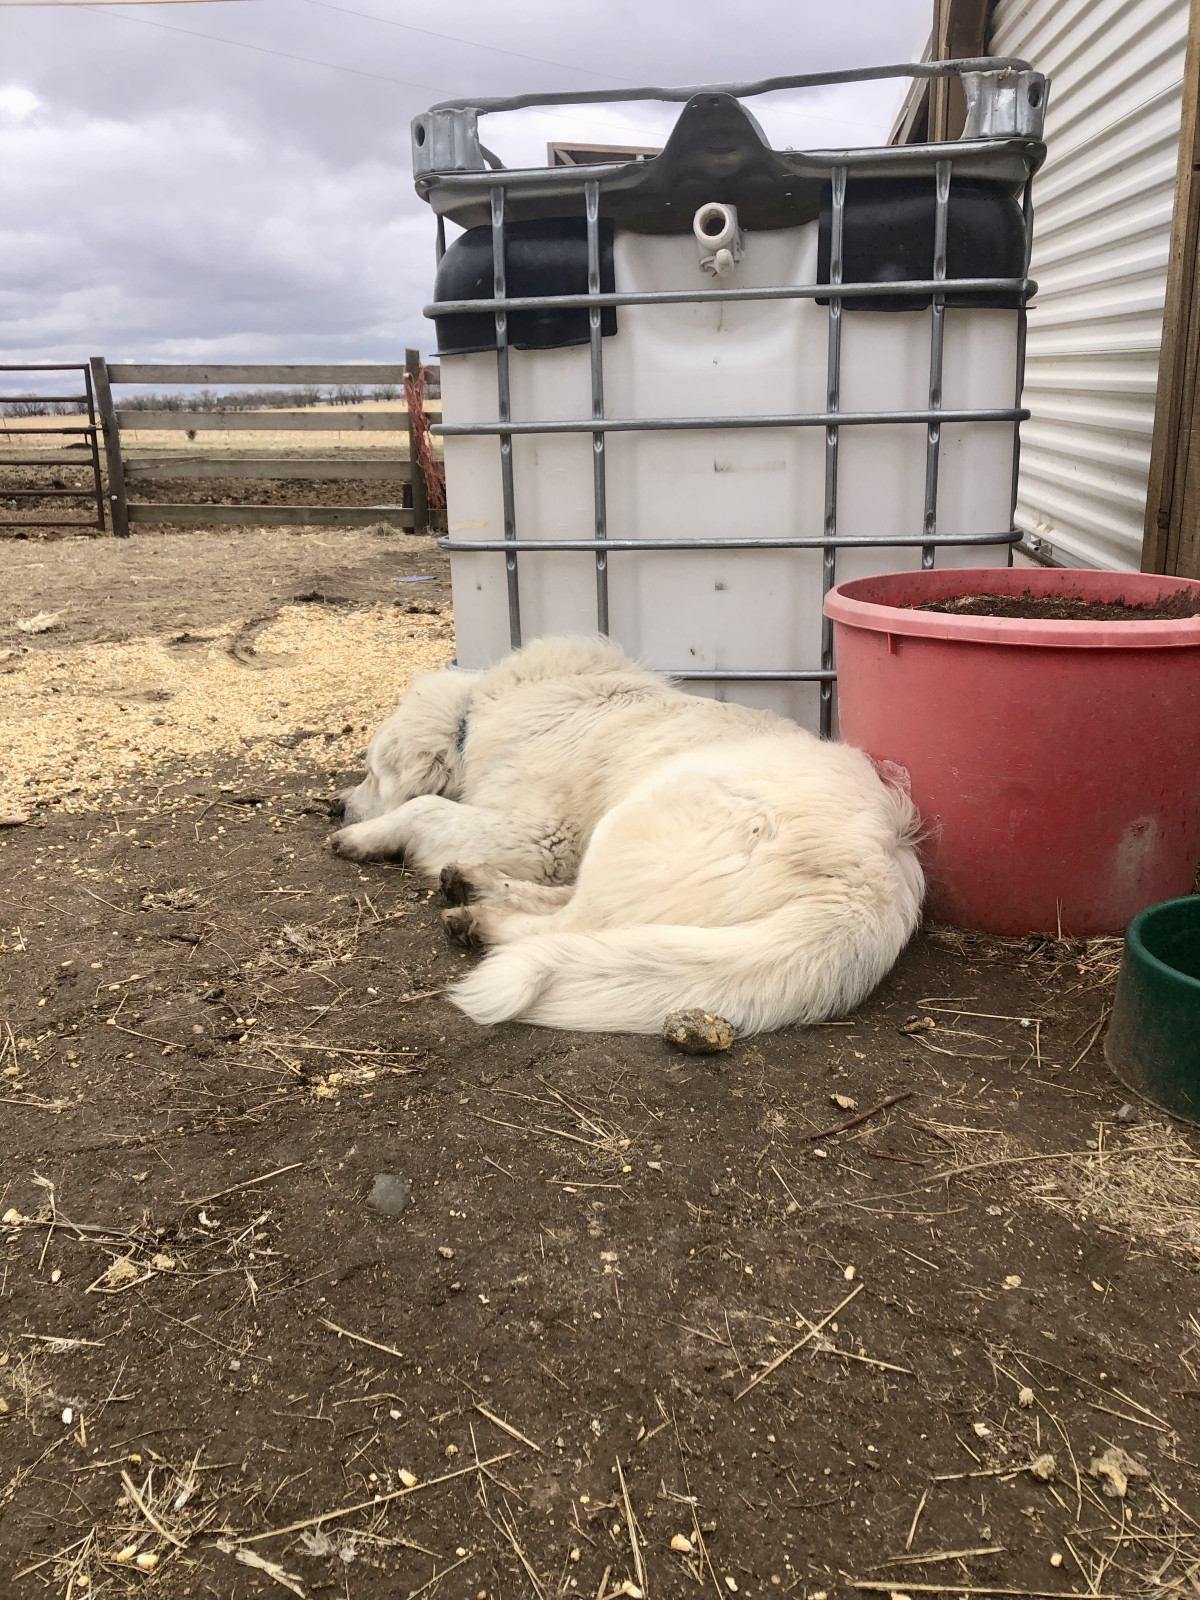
pixel 413 753
pixel 403 767
pixel 425 772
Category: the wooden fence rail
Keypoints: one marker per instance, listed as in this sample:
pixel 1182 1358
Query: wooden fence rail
pixel 349 469
pixel 257 421
pixel 138 372
pixel 123 468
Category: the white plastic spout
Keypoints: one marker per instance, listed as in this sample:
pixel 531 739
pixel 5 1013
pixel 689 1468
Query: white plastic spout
pixel 718 238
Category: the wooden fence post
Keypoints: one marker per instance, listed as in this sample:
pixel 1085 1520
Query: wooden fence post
pixel 1171 534
pixel 118 505
pixel 420 497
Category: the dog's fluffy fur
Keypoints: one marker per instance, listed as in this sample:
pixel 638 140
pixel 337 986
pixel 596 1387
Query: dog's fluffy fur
pixel 631 849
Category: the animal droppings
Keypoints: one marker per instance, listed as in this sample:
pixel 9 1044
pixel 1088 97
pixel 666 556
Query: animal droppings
pixel 1114 1469
pixel 123 1271
pixel 698 1033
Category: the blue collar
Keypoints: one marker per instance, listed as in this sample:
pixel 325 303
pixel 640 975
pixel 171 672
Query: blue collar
pixel 461 740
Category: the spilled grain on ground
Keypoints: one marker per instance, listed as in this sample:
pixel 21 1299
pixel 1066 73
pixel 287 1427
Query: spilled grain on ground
pixel 76 721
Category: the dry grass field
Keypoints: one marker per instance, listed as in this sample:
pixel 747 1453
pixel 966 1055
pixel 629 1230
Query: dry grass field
pixel 257 442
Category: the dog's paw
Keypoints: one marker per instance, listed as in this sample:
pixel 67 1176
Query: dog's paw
pixel 457 890
pixel 351 844
pixel 459 923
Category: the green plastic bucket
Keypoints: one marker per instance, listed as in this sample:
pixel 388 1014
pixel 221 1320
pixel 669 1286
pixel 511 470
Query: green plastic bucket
pixel 1153 1042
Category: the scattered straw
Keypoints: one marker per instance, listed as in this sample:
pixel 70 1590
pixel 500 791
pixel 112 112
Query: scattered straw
pixel 1140 1184
pixel 75 722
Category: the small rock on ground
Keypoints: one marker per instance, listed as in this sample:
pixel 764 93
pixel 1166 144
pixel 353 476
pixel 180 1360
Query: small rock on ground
pixel 389 1194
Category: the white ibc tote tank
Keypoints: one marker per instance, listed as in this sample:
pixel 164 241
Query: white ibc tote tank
pixel 727 377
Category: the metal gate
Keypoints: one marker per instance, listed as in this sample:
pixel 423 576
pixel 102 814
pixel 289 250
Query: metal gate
pixel 1002 139
pixel 82 434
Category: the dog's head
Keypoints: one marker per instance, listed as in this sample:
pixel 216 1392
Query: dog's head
pixel 415 751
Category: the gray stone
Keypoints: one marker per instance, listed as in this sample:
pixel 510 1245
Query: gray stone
pixel 389 1194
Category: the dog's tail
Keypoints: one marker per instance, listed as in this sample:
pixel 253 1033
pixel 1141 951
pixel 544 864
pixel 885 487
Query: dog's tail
pixel 814 959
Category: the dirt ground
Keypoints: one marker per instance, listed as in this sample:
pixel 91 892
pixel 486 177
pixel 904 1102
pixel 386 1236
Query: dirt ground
pixel 310 1286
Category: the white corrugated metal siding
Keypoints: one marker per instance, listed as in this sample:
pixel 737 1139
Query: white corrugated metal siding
pixel 1101 235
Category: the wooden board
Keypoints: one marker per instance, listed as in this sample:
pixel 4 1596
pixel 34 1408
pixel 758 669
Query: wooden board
pixel 125 372
pixel 50 458
pixel 347 421
pixel 1171 536
pixel 958 34
pixel 420 496
pixel 107 417
pixel 263 421
pixel 316 471
pixel 267 516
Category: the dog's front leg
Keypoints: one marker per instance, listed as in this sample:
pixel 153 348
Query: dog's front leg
pixel 431 832
pixel 381 839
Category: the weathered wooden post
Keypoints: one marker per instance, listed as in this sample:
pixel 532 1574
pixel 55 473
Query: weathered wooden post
pixel 420 498
pixel 118 506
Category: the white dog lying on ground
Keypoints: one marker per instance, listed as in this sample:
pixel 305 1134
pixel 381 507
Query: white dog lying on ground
pixel 632 850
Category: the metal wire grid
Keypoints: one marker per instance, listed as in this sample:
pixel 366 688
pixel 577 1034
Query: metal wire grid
pixel 832 419
pixel 89 430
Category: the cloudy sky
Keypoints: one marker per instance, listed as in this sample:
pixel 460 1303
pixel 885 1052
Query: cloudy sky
pixel 231 181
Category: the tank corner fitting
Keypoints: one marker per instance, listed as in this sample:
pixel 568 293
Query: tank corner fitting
pixel 446 141
pixel 718 238
pixel 1005 105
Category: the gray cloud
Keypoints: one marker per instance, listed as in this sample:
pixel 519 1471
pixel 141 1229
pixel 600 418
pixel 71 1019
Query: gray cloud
pixel 165 196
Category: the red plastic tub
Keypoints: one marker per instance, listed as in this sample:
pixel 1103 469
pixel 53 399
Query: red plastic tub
pixel 1056 765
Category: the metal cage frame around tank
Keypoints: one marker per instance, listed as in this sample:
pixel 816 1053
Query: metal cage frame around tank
pixel 1006 100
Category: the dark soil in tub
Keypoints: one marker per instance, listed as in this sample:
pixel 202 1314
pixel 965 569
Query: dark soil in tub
pixel 1064 608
